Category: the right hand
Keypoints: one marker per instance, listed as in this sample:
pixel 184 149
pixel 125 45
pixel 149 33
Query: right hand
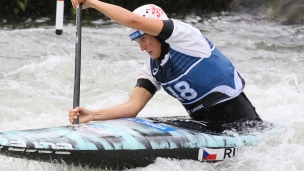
pixel 83 113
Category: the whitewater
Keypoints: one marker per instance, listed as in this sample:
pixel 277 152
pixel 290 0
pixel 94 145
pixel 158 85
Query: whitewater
pixel 37 77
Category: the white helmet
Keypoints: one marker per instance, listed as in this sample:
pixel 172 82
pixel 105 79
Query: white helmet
pixel 150 11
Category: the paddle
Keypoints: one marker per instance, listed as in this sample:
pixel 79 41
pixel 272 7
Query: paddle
pixel 77 61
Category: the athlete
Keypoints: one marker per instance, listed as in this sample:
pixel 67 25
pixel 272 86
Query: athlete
pixel 182 61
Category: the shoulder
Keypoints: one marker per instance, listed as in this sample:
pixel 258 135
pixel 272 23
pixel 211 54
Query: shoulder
pixel 174 26
pixel 187 38
pixel 185 27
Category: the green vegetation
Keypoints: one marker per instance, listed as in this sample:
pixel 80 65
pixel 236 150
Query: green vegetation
pixel 14 9
pixel 284 11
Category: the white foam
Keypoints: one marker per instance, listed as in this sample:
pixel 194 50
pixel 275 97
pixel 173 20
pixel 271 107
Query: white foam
pixel 37 76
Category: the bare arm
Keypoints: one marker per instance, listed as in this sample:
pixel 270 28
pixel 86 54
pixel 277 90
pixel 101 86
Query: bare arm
pixel 138 99
pixel 124 17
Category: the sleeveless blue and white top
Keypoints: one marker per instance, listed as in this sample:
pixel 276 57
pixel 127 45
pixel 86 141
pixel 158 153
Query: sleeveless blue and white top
pixel 194 71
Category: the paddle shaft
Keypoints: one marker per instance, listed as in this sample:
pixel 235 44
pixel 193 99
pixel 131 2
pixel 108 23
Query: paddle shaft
pixel 77 61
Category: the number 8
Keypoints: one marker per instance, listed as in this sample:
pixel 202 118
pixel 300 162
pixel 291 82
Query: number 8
pixel 183 87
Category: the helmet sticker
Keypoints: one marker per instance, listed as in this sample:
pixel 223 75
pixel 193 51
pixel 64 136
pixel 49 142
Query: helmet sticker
pixel 155 10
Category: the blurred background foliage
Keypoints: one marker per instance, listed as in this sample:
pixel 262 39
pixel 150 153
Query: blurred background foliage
pixel 11 9
pixel 284 11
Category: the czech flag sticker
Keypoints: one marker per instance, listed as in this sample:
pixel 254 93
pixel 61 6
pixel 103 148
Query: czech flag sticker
pixel 215 154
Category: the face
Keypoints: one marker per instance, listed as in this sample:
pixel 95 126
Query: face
pixel 149 44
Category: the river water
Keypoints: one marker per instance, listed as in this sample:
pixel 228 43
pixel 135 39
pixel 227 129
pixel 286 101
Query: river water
pixel 37 77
